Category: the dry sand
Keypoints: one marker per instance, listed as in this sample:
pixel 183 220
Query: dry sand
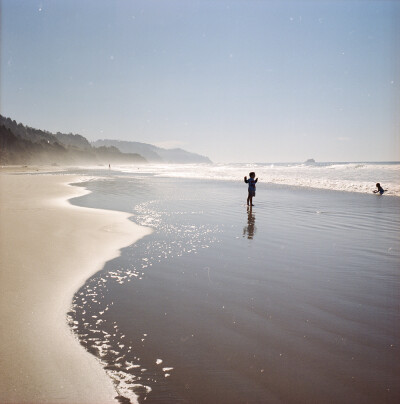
pixel 48 248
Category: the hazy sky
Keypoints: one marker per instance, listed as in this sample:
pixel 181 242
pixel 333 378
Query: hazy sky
pixel 238 81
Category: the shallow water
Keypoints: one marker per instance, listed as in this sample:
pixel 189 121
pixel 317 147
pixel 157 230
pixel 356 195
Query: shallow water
pixel 295 301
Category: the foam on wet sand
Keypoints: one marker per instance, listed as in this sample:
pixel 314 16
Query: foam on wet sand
pixel 48 248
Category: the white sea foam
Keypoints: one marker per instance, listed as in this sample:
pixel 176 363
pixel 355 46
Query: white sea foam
pixel 351 177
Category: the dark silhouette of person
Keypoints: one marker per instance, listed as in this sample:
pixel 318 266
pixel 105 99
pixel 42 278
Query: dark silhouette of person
pixel 252 187
pixel 379 189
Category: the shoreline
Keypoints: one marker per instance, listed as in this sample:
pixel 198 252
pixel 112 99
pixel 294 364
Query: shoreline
pixel 342 182
pixel 48 248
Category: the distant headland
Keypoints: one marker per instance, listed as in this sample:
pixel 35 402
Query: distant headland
pixel 20 144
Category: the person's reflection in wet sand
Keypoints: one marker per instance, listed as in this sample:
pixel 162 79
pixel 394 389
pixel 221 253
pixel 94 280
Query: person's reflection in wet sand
pixel 250 229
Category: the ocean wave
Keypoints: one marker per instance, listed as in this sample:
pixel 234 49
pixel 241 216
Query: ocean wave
pixel 350 177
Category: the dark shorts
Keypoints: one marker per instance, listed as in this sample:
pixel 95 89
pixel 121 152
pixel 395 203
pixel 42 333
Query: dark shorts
pixel 252 192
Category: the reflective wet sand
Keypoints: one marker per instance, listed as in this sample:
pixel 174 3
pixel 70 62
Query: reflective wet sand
pixel 295 301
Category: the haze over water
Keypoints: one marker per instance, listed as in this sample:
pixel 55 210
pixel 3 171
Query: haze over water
pixel 294 301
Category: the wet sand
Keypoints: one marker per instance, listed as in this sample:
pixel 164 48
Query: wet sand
pixel 293 302
pixel 48 248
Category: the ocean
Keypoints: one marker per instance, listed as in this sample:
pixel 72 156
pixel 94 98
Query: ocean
pixel 294 300
pixel 351 177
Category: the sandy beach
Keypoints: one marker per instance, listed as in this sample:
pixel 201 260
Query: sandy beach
pixel 294 301
pixel 48 248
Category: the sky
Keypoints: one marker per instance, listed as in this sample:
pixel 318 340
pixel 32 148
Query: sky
pixel 237 81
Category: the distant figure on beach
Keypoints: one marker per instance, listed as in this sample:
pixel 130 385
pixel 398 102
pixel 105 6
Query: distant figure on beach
pixel 380 189
pixel 252 187
pixel 109 166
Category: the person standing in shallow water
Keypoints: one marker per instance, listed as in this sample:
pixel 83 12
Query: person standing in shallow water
pixel 252 187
